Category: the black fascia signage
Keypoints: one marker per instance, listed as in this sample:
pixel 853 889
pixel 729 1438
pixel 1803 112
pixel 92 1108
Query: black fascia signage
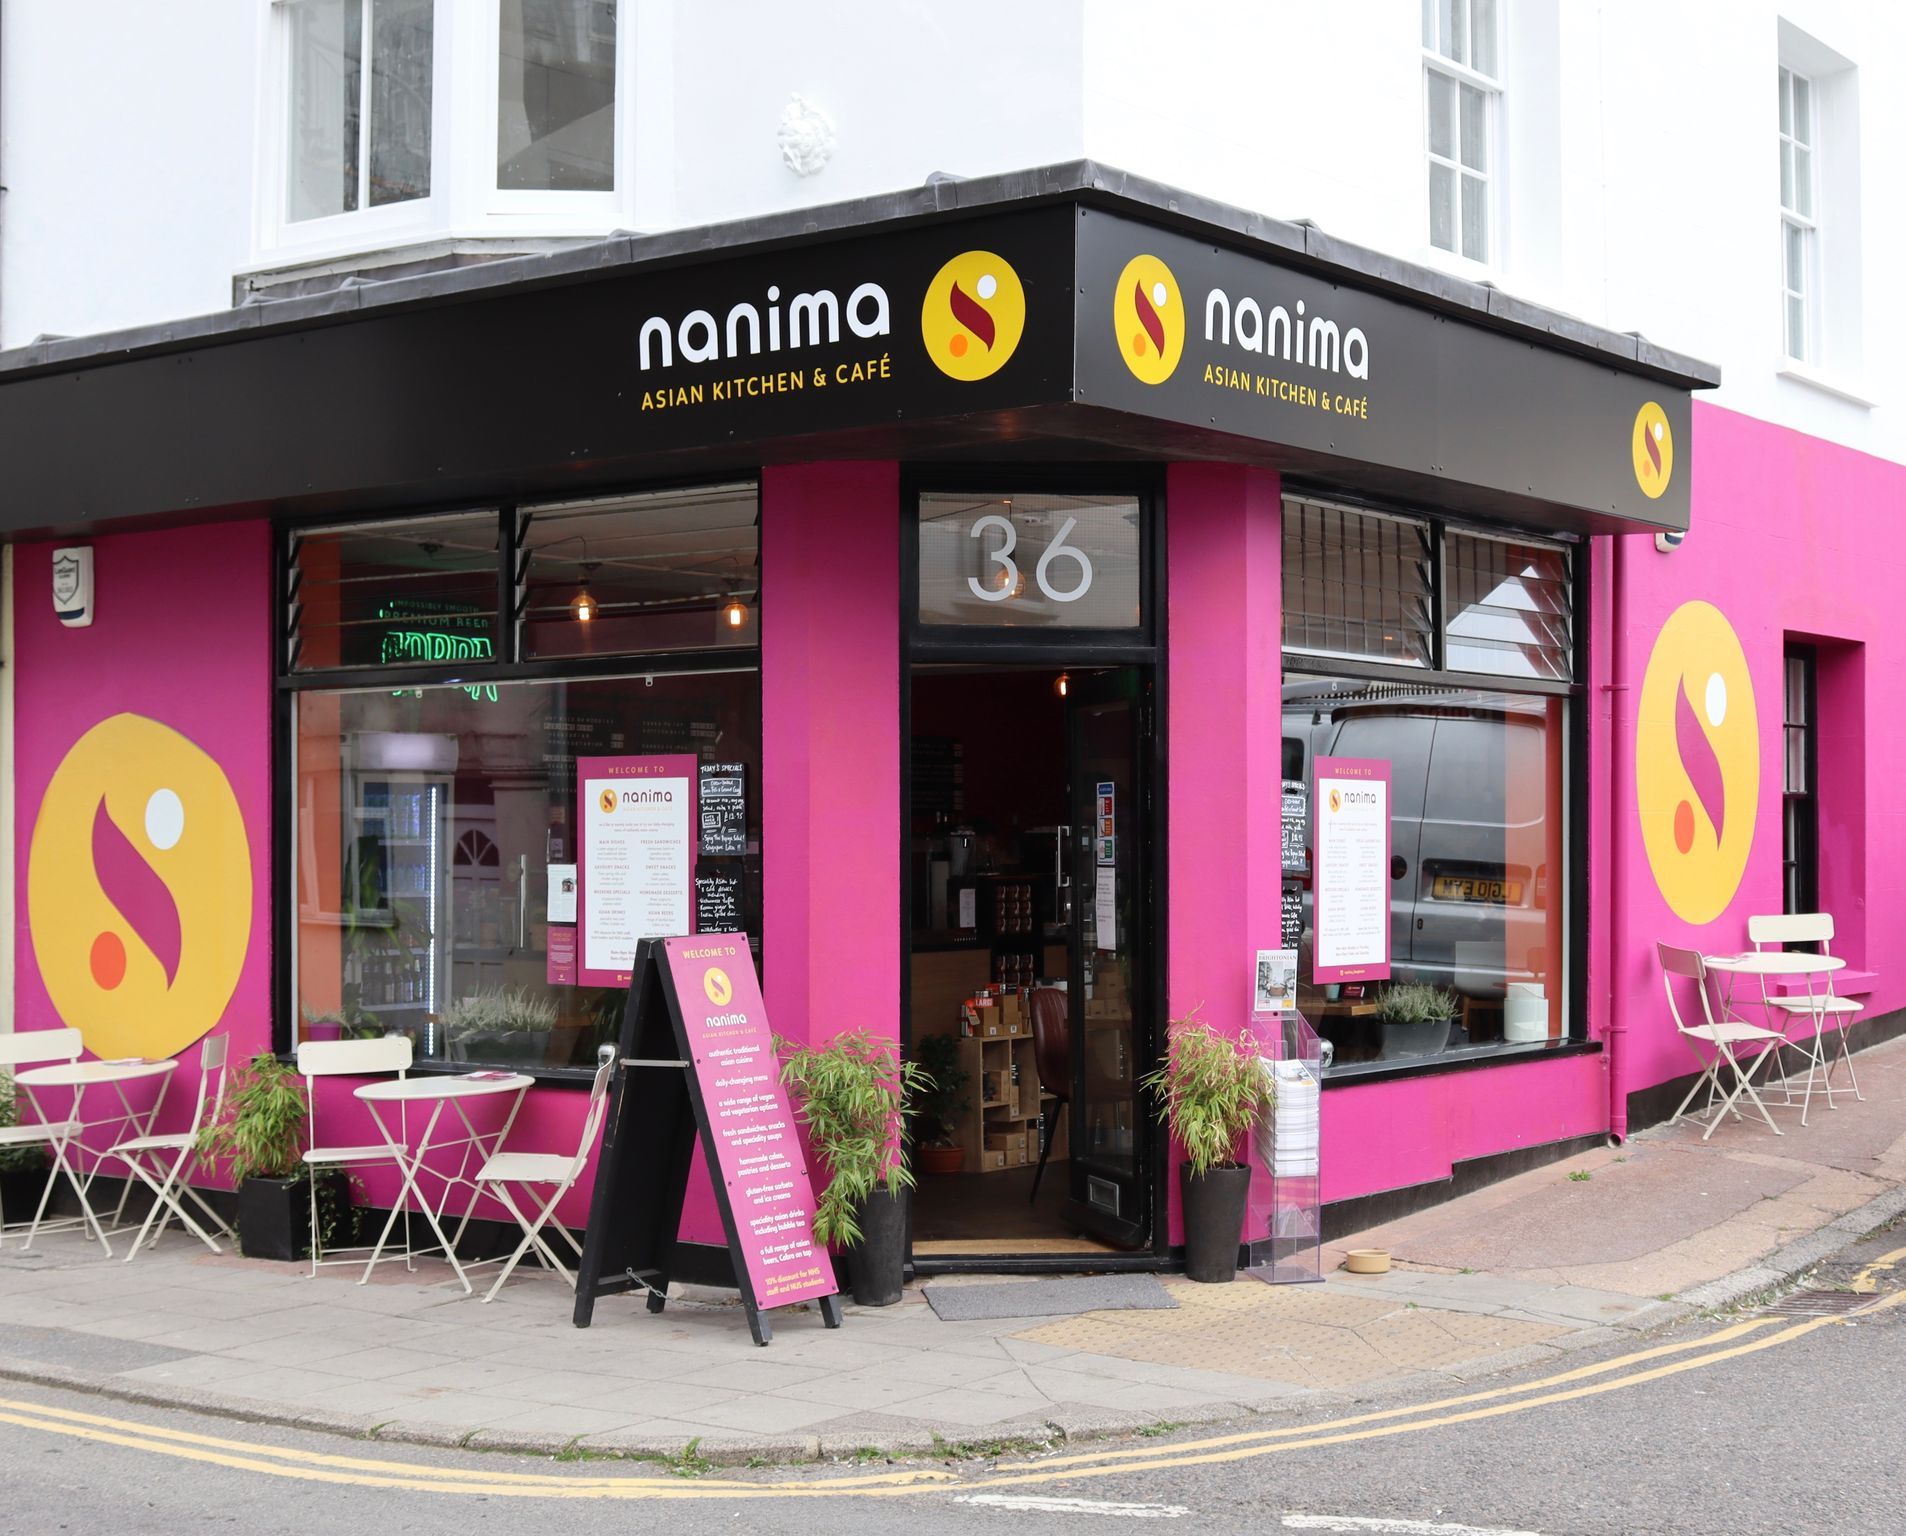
pixel 1182 329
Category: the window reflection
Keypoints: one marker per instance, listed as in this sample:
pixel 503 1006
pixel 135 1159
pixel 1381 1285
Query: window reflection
pixel 427 822
pixel 1477 875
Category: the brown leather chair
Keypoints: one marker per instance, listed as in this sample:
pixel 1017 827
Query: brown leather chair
pixel 1052 1059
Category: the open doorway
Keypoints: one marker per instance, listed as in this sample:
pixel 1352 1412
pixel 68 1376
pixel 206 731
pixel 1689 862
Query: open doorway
pixel 1030 959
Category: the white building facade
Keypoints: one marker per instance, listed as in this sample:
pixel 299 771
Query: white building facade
pixel 1714 178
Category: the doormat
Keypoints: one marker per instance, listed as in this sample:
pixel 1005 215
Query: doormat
pixel 1049 1298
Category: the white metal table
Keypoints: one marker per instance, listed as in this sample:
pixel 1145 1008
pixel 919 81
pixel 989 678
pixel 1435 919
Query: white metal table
pixel 1768 964
pixel 455 1093
pixel 79 1076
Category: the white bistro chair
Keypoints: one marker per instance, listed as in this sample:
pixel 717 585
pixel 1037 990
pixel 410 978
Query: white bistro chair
pixel 35 1047
pixel 556 1170
pixel 1721 1037
pixel 145 1156
pixel 1819 1003
pixel 348 1058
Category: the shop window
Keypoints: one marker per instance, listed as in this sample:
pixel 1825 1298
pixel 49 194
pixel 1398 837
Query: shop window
pixel 1031 561
pixel 1508 607
pixel 402 593
pixel 555 99
pixel 1462 100
pixel 359 131
pixel 669 571
pixel 436 820
pixel 428 823
pixel 1800 827
pixel 1477 824
pixel 1356 584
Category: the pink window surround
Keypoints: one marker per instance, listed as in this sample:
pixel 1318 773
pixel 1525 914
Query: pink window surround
pixel 1224 550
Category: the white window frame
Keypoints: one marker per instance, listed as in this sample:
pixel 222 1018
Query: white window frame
pixel 1797 137
pixel 364 227
pixel 464 202
pixel 1440 60
pixel 525 202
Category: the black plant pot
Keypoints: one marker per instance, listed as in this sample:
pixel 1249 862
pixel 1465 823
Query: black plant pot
pixel 274 1216
pixel 1214 1221
pixel 876 1265
pixel 20 1192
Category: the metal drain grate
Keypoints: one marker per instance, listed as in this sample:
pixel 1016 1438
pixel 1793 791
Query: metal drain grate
pixel 1821 1303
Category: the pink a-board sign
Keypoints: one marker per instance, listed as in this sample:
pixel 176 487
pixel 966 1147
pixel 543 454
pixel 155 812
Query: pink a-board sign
pixel 751 1137
pixel 1351 878
pixel 635 859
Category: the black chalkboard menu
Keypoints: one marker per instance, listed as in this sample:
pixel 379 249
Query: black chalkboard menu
pixel 1293 915
pixel 718 902
pixel 724 814
pixel 1295 797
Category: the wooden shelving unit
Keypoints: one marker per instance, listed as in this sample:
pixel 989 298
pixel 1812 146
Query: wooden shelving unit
pixel 1004 1101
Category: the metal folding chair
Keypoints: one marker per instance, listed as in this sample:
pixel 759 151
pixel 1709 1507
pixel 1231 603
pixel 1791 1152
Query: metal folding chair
pixel 1721 1035
pixel 347 1058
pixel 1822 1005
pixel 145 1157
pixel 33 1047
pixel 554 1169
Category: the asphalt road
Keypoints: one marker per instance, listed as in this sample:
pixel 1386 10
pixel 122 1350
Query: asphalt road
pixel 1758 1424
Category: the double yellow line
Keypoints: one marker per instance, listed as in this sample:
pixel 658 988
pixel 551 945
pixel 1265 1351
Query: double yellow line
pixel 1633 1370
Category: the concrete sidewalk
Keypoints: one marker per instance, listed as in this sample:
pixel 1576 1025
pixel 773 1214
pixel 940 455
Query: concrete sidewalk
pixel 1568 1258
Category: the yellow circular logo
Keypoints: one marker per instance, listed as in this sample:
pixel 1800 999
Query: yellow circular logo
pixel 607 801
pixel 973 315
pixel 139 889
pixel 720 990
pixel 1148 319
pixel 1653 448
pixel 1697 762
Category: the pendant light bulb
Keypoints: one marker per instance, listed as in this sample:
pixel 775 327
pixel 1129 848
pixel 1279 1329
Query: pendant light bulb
pixel 735 615
pixel 583 606
pixel 1061 684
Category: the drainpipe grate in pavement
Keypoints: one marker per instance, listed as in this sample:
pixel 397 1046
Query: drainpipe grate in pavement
pixel 1821 1303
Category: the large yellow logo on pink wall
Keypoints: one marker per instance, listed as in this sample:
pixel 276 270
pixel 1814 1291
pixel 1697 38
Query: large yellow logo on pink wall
pixel 139 889
pixel 1697 762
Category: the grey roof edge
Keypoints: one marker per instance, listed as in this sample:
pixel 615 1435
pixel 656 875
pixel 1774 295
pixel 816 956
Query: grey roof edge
pixel 1084 181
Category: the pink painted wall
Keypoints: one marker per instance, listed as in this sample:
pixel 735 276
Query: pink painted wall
pixel 1794 538
pixel 182 636
pixel 1224 542
pixel 830 749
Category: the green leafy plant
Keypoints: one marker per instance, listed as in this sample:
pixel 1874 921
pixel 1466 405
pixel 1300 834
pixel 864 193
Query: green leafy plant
pixel 854 1092
pixel 261 1132
pixel 23 1159
pixel 261 1129
pixel 939 1098
pixel 1416 1002
pixel 499 1011
pixel 1211 1091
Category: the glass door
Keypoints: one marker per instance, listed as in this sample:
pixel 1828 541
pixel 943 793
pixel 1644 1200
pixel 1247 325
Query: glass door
pixel 1110 981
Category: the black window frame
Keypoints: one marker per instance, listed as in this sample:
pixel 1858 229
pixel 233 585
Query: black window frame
pixel 508 666
pixel 1577 1040
pixel 1800 809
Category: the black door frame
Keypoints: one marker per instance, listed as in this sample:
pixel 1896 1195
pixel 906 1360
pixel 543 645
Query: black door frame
pixel 1143 647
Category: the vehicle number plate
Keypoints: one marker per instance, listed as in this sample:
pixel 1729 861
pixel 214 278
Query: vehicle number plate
pixel 1477 888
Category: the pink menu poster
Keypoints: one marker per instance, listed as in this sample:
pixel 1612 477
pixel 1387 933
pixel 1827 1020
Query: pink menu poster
pixel 636 859
pixel 753 1143
pixel 1351 882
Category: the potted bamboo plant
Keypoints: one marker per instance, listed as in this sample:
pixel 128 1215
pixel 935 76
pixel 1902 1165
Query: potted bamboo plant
pixel 1211 1091
pixel 261 1133
pixel 853 1101
pixel 938 1149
